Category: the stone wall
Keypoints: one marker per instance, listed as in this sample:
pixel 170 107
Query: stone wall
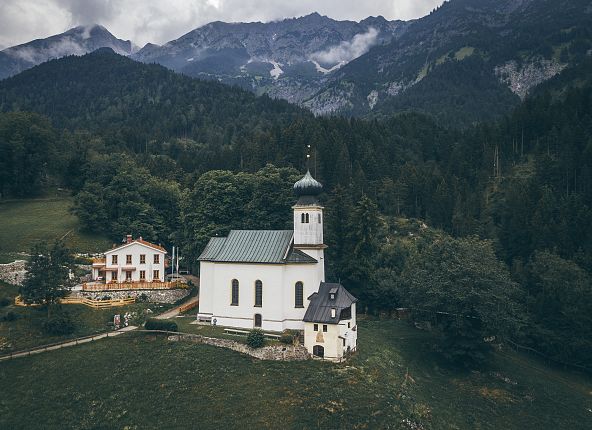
pixel 273 352
pixel 13 273
pixel 153 296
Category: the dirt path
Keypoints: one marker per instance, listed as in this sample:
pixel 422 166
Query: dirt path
pixel 175 311
pixel 168 314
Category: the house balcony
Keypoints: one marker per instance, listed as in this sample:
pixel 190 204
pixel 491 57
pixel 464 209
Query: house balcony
pixel 98 263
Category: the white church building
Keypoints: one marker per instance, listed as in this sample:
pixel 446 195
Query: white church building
pixel 275 280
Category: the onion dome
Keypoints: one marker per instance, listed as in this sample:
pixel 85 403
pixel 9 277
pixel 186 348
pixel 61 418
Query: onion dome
pixel 308 186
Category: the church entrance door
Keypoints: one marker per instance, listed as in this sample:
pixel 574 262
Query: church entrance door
pixel 318 351
pixel 258 320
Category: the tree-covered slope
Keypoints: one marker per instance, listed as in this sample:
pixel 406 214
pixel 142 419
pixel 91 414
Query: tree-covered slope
pixel 131 103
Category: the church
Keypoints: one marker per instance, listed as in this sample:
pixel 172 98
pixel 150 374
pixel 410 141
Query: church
pixel 275 280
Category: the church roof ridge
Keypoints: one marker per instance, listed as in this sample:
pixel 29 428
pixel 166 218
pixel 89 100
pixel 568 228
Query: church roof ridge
pixel 254 246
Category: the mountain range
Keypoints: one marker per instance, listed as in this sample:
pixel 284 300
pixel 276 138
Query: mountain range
pixel 467 61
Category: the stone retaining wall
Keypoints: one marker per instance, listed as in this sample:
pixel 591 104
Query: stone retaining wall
pixel 13 273
pixel 153 296
pixel 273 352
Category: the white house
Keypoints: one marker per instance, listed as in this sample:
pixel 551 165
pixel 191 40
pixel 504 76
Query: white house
pixel 134 261
pixel 330 329
pixel 270 279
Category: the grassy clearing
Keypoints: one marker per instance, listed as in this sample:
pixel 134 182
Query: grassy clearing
pixel 147 382
pixel 26 221
pixel 464 52
pixel 27 330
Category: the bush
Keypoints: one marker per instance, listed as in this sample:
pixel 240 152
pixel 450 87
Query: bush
pixel 256 338
pixel 5 301
pixel 289 337
pixel 9 316
pixel 164 325
pixel 59 323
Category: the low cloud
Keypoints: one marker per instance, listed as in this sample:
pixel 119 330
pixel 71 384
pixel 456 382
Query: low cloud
pixel 347 50
pixel 159 21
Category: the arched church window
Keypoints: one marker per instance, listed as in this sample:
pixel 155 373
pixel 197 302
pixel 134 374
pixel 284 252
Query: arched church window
pixel 319 218
pixel 307 219
pixel 299 295
pixel 234 299
pixel 258 293
pixel 302 218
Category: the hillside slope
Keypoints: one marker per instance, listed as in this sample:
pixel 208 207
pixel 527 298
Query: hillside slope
pixel 469 60
pixel 132 103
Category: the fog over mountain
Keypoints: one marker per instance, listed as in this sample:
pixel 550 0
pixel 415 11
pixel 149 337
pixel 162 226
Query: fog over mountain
pixel 157 21
pixel 76 41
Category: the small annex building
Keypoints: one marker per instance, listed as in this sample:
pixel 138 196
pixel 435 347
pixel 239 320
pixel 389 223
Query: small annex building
pixel 275 280
pixel 330 322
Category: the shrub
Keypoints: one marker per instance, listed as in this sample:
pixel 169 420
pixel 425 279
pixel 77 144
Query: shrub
pixel 5 301
pixel 289 337
pixel 9 316
pixel 256 338
pixel 164 325
pixel 142 298
pixel 59 323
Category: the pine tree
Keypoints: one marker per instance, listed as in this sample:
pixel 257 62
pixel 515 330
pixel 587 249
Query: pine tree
pixel 48 272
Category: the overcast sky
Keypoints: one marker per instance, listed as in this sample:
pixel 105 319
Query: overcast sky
pixel 159 21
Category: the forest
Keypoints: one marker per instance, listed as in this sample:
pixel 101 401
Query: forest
pixel 506 206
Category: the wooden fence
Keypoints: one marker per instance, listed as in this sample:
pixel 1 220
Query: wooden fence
pixel 188 306
pixel 113 286
pixel 96 304
pixel 549 360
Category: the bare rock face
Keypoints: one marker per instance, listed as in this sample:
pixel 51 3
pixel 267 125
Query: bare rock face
pixel 13 273
pixel 332 100
pixel 521 78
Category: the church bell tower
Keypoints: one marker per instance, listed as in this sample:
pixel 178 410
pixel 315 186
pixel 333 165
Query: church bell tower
pixel 308 219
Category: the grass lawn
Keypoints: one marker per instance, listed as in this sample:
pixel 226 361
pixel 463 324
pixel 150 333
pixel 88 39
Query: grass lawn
pixel 141 382
pixel 27 330
pixel 26 221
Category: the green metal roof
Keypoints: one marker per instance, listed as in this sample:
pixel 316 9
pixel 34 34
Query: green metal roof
pixel 212 248
pixel 254 246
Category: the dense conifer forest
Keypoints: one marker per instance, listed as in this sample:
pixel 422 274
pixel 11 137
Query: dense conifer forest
pixel 177 160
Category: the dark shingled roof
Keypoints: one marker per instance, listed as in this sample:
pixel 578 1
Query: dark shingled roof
pixel 254 246
pixel 319 308
pixel 298 256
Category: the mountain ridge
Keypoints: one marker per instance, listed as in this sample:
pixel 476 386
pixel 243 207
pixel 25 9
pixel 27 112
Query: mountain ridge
pixel 78 40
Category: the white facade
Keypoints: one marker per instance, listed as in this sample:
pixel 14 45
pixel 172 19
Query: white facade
pixel 278 308
pixel 136 261
pixel 234 269
pixel 308 225
pixel 336 341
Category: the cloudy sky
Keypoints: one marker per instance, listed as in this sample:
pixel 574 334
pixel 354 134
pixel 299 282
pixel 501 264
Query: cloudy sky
pixel 159 21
